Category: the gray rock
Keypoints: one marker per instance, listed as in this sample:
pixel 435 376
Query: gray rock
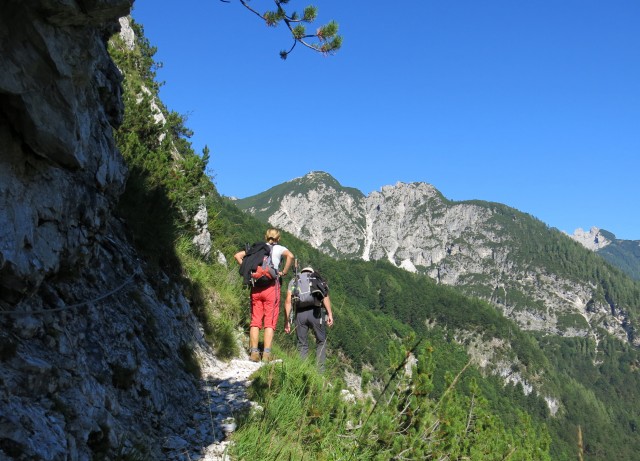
pixel 60 173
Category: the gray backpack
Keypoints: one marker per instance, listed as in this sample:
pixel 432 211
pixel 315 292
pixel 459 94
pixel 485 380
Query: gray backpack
pixel 308 290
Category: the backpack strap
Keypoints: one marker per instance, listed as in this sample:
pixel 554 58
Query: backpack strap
pixel 258 247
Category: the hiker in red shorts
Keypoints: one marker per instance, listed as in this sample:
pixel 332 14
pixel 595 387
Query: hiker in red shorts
pixel 265 300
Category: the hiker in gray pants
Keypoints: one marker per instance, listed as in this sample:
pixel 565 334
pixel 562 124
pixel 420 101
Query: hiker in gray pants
pixel 310 317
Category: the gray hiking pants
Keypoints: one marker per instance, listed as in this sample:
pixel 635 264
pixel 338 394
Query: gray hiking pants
pixel 312 318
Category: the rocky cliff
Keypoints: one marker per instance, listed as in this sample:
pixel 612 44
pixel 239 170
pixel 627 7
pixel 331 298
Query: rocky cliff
pixel 487 249
pixel 95 348
pixel 60 172
pixel 593 239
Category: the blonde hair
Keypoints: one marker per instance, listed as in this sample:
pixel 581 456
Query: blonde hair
pixel 272 234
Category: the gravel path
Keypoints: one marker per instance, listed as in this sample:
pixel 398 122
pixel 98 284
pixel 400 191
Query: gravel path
pixel 226 386
pixel 224 396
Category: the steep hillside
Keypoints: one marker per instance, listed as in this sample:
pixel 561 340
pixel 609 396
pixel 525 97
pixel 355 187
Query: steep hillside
pixel 624 254
pixel 535 275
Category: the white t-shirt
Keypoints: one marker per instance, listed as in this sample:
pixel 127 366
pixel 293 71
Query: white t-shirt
pixel 276 254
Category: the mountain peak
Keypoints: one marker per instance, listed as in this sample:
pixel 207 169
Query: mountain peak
pixel 318 177
pixel 423 187
pixel 321 180
pixel 593 239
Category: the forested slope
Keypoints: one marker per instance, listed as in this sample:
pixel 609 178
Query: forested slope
pixel 624 254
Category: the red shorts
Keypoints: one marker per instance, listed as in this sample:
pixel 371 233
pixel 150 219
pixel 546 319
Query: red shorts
pixel 265 306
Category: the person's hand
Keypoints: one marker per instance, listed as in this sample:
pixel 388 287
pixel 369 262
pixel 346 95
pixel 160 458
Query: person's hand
pixel 287 327
pixel 330 320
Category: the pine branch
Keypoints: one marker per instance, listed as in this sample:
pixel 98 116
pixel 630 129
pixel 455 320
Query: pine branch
pixel 327 36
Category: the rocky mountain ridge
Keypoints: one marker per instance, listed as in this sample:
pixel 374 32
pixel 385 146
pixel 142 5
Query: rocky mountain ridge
pixel 489 250
pixel 592 240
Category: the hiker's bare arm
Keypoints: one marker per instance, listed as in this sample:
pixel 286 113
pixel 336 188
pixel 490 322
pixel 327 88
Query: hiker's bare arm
pixel 239 256
pixel 288 260
pixel 287 305
pixel 287 311
pixel 327 306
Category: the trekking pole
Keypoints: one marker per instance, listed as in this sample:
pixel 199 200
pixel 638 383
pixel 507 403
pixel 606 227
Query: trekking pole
pixel 296 281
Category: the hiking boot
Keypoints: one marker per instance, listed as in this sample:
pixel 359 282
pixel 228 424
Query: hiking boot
pixel 255 356
pixel 267 357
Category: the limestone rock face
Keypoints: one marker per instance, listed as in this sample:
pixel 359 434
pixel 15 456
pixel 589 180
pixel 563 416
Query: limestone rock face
pixel 93 366
pixel 308 216
pixel 60 172
pixel 202 239
pixel 96 349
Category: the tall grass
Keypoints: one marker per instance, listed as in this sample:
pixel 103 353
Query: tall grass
pixel 216 296
pixel 303 418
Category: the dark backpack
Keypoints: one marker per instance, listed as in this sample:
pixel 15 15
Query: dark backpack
pixel 309 289
pixel 257 267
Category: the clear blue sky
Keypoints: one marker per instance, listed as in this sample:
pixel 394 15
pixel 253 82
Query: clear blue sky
pixel 534 104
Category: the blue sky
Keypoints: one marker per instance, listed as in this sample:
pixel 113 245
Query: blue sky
pixel 532 104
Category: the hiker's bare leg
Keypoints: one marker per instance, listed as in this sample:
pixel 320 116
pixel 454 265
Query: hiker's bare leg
pixel 268 337
pixel 254 336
